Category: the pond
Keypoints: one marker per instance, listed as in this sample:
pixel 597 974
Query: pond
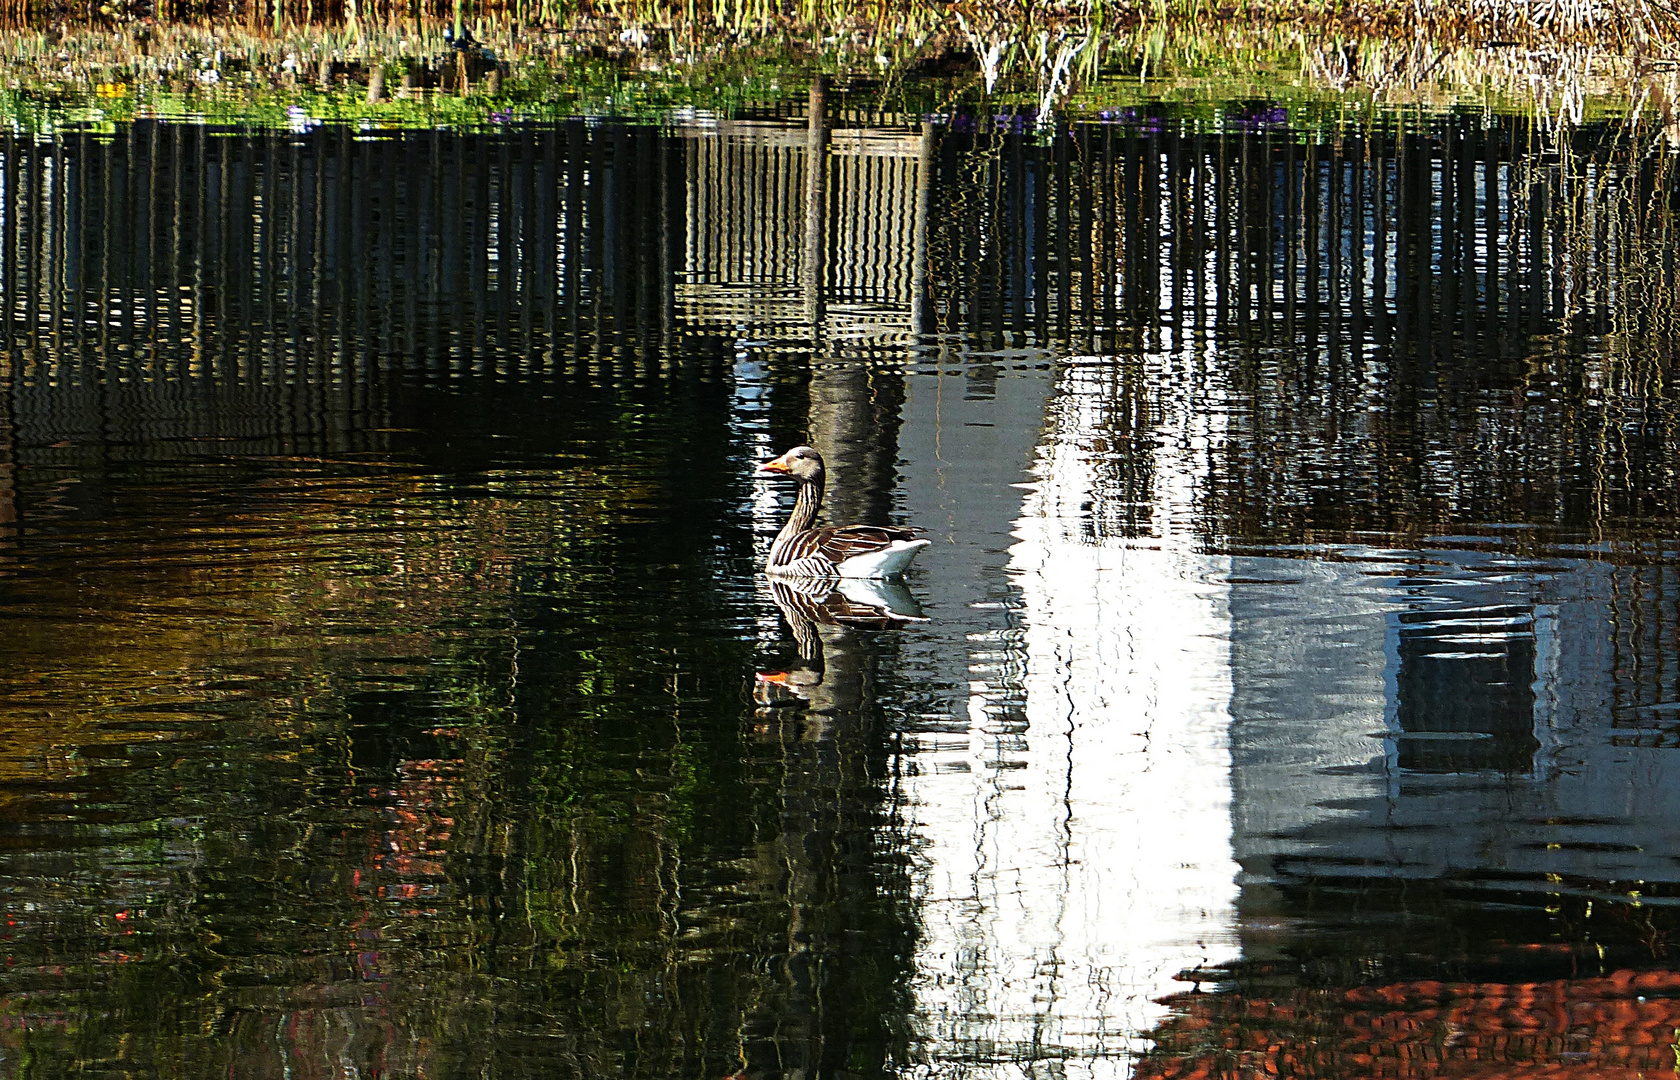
pixel 390 685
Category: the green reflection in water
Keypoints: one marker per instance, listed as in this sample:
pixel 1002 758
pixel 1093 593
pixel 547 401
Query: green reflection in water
pixel 379 555
pixel 434 757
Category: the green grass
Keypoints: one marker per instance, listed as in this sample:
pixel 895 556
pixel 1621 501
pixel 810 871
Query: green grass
pixel 94 79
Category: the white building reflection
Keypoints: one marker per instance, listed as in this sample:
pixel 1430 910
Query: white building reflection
pixel 1074 830
pixel 1159 744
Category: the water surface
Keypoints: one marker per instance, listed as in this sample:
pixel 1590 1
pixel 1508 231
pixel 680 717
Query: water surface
pixel 390 688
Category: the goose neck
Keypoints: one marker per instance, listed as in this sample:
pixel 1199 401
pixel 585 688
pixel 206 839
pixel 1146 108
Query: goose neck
pixel 806 505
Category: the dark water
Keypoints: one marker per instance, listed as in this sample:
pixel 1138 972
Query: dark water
pixel 388 688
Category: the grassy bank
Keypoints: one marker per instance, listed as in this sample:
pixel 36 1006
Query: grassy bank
pixel 533 61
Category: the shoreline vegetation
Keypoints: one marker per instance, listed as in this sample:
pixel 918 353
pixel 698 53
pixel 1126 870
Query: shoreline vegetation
pixel 280 62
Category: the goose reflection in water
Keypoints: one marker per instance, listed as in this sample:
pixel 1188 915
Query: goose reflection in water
pixel 821 612
pixel 819 715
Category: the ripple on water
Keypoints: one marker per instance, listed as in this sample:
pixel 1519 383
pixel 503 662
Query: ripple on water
pixel 384 666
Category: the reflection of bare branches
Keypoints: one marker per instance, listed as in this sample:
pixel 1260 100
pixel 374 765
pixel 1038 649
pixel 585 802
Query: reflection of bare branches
pixel 1557 81
pixel 1054 75
pixel 1661 98
pixel 994 43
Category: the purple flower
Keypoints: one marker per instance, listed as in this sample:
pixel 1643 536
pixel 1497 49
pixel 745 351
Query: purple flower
pixel 1255 117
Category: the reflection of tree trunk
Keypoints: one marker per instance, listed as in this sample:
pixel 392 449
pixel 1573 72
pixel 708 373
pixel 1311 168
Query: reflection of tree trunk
pixel 925 159
pixel 853 412
pixel 8 461
pixel 854 418
pixel 9 288
pixel 816 203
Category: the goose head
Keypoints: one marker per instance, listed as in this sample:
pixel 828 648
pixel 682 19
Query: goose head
pixel 801 463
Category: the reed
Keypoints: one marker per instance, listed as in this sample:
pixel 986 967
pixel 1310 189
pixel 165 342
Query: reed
pixel 539 58
pixel 1633 26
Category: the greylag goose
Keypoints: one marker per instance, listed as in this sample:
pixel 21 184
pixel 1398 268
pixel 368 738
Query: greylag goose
pixel 848 551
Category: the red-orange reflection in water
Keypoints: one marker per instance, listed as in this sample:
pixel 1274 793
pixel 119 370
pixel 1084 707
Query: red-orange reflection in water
pixel 1620 1026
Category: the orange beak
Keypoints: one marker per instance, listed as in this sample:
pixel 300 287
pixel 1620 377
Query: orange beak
pixel 774 465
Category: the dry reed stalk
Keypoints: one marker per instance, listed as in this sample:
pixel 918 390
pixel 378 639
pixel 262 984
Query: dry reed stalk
pixel 1548 53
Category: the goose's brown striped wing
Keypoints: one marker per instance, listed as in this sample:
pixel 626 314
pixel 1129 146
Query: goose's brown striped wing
pixel 837 543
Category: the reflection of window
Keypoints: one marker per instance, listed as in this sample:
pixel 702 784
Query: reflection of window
pixel 1466 690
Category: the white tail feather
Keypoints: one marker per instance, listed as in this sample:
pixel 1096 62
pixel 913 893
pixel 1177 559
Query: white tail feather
pixel 890 561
